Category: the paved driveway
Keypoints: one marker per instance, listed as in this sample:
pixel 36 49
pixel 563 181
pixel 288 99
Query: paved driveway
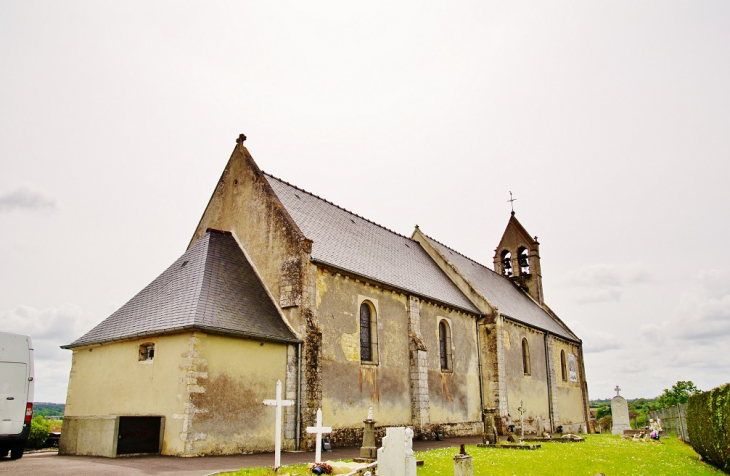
pixel 52 464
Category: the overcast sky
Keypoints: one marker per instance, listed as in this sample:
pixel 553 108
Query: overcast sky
pixel 609 121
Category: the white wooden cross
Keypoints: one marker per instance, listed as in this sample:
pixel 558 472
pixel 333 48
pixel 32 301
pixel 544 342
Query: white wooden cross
pixel 278 403
pixel 319 430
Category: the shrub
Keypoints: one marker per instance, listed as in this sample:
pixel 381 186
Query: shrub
pixel 606 423
pixel 708 418
pixel 39 430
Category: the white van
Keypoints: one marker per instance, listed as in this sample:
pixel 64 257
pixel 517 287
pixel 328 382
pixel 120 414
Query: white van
pixel 16 393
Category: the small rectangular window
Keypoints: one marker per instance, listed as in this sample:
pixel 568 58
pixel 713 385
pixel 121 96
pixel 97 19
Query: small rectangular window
pixel 146 352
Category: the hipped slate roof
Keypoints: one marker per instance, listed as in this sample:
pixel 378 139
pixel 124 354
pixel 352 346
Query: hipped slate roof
pixel 351 243
pixel 212 287
pixel 501 293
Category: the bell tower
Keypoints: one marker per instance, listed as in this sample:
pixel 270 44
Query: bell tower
pixel 517 258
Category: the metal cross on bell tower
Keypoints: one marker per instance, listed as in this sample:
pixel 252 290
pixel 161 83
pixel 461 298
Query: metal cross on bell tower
pixel 512 202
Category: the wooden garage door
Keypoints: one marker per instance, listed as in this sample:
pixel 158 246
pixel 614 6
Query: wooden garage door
pixel 138 435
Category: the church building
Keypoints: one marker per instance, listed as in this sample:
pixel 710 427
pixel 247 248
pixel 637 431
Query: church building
pixel 278 284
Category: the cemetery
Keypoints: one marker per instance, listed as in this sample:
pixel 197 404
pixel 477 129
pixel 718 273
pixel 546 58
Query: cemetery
pixel 614 453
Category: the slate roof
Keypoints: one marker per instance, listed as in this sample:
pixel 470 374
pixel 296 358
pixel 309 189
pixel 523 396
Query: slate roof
pixel 510 300
pixel 351 243
pixel 211 287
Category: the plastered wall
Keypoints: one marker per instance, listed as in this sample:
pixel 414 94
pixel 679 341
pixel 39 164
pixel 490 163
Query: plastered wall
pixel 209 389
pixel 351 387
pixel 236 375
pixel 531 389
pixel 110 380
pixel 568 393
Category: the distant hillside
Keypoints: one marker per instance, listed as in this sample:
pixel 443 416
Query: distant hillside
pixel 48 409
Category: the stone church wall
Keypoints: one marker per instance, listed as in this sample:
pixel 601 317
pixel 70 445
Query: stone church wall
pixel 244 203
pixel 350 387
pixel 454 393
pixel 568 393
pixel 531 389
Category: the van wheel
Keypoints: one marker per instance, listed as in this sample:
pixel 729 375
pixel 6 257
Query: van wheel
pixel 3 452
pixel 16 452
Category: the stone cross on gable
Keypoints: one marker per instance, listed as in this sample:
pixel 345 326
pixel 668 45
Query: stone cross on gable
pixel 278 403
pixel 617 390
pixel 319 430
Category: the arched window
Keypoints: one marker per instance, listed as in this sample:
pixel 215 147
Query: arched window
pixel 525 357
pixel 523 259
pixel 563 366
pixel 445 345
pixel 506 263
pixel 368 333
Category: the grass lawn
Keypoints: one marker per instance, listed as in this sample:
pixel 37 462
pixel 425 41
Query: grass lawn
pixel 607 454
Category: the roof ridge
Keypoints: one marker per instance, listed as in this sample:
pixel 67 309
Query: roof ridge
pixel 460 254
pixel 337 206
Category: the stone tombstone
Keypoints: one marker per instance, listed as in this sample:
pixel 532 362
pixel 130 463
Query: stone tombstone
pixel 619 413
pixel 463 465
pixel 395 457
pixel 490 429
pixel 368 449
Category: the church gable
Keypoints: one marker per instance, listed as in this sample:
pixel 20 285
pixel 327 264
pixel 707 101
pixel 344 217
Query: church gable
pixel 245 204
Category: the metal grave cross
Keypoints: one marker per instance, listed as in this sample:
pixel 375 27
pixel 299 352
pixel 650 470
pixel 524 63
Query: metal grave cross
pixel 522 423
pixel 278 403
pixel 319 430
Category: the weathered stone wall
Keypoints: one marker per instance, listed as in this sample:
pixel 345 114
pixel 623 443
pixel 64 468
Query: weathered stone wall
pixel 350 386
pixel 245 204
pixel 568 394
pixel 234 376
pixel 531 389
pixel 454 393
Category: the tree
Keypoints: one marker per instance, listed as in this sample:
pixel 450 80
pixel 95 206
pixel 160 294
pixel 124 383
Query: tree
pixel 602 412
pixel 39 430
pixel 679 393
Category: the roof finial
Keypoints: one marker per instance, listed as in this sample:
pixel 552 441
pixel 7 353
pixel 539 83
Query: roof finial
pixel 512 202
pixel 241 138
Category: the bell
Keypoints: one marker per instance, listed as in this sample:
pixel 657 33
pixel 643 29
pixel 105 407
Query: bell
pixel 507 263
pixel 524 263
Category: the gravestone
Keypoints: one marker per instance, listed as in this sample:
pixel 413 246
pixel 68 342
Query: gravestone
pixel 395 457
pixel 619 413
pixel 490 430
pixel 463 465
pixel 368 449
pixel 278 403
pixel 319 430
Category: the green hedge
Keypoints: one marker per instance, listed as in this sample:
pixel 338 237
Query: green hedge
pixel 708 421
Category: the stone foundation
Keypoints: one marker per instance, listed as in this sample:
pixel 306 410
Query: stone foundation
pixel 353 436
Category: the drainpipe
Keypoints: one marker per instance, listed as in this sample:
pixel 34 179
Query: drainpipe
pixel 299 392
pixel 479 361
pixel 549 384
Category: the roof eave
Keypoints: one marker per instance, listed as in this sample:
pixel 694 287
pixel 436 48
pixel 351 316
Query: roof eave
pixel 532 326
pixel 180 329
pixel 474 311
